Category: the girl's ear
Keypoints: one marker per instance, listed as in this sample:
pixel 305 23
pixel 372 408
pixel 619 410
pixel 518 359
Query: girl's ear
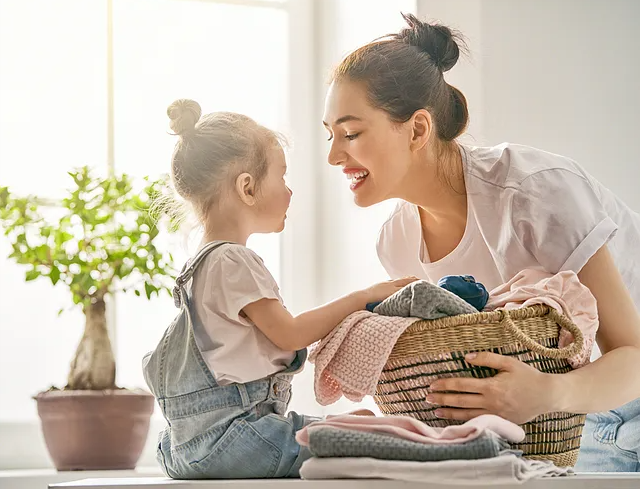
pixel 246 188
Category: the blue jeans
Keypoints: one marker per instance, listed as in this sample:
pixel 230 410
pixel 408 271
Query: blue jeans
pixel 611 441
pixel 254 446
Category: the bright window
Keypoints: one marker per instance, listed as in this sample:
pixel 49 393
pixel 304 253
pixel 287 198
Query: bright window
pixel 60 95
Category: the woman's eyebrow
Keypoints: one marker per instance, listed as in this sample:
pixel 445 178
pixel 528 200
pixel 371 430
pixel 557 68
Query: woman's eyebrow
pixel 343 119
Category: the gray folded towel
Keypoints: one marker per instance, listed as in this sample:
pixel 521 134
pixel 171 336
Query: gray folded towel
pixel 331 442
pixel 424 300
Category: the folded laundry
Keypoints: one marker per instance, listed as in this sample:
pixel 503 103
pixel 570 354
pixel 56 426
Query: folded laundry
pixel 372 305
pixel 424 300
pixel 350 359
pixel 508 468
pixel 562 291
pixel 466 287
pixel 411 429
pixel 327 441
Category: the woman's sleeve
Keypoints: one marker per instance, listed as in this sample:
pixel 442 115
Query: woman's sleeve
pixel 558 217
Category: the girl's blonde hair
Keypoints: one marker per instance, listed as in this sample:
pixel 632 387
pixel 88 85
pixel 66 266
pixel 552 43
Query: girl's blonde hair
pixel 212 150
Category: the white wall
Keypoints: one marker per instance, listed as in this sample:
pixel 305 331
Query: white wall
pixel 559 75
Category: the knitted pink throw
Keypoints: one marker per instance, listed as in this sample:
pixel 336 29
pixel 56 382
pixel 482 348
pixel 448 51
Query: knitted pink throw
pixel 349 360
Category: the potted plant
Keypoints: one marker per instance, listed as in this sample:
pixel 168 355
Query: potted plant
pixel 98 240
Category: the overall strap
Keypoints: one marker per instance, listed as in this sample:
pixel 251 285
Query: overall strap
pixel 190 267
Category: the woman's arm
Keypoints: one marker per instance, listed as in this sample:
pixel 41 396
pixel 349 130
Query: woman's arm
pixel 293 333
pixel 519 392
pixel 613 379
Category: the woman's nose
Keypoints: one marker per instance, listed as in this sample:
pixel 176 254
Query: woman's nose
pixel 336 156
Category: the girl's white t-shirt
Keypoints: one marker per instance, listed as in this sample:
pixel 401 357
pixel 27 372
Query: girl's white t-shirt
pixel 526 208
pixel 229 278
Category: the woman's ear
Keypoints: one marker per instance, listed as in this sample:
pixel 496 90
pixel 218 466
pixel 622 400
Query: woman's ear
pixel 246 188
pixel 421 129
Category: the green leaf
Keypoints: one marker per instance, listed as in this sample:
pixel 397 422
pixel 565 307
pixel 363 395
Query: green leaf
pixel 137 292
pixel 148 288
pixel 86 282
pixel 4 196
pixel 32 275
pixel 54 275
pixel 42 252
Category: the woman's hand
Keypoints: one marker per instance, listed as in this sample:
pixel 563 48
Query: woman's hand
pixel 517 393
pixel 379 292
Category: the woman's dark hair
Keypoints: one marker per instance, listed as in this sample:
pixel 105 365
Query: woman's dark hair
pixel 404 72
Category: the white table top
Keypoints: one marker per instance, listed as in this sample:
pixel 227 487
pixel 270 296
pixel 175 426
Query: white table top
pixel 581 481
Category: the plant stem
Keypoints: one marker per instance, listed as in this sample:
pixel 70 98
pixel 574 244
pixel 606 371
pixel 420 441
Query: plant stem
pixel 93 366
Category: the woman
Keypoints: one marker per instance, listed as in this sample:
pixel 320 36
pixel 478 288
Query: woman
pixel 491 212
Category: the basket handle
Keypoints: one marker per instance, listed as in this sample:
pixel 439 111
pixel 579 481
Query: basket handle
pixel 554 353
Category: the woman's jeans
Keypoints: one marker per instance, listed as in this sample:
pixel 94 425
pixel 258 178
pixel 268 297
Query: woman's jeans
pixel 611 441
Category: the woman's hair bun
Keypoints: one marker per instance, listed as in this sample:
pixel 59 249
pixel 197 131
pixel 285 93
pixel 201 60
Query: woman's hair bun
pixel 438 41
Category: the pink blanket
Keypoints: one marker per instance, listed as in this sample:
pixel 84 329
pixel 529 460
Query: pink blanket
pixel 562 291
pixel 350 359
pixel 413 430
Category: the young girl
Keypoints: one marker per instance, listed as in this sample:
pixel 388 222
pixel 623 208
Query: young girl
pixel 222 371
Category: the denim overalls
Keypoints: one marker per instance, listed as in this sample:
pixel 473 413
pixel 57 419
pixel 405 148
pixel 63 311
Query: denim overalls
pixel 219 432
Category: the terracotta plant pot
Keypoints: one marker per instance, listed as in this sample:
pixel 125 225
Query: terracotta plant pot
pixel 95 430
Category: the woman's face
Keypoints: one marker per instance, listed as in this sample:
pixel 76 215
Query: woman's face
pixel 373 151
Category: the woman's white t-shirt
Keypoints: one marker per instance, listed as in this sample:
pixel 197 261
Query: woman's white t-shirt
pixel 526 208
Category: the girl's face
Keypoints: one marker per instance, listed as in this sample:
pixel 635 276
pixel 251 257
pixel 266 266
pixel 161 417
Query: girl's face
pixel 274 196
pixel 373 151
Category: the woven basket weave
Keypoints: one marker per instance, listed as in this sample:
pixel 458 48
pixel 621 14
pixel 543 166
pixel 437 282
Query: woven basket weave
pixel 431 350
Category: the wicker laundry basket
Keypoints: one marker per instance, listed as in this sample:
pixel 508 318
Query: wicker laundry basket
pixel 429 350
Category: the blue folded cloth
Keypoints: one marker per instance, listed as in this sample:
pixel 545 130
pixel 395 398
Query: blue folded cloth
pixel 372 305
pixel 466 287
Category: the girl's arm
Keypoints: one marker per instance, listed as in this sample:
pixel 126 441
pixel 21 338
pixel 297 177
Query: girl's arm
pixel 293 333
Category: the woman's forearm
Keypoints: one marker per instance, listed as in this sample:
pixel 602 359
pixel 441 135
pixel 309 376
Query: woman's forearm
pixel 605 384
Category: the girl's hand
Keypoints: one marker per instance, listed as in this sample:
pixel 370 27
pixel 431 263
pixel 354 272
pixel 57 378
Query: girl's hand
pixel 293 333
pixel 379 292
pixel 517 393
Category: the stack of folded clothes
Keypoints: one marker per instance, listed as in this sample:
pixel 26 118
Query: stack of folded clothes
pixel 403 448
